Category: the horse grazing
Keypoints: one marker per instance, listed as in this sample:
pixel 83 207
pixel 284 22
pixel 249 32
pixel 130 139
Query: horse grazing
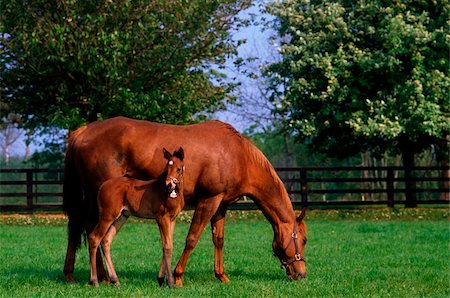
pixel 118 198
pixel 222 167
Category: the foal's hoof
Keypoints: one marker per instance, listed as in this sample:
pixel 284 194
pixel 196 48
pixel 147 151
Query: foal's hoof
pixel 116 284
pixel 170 283
pixel 161 281
pixel 93 283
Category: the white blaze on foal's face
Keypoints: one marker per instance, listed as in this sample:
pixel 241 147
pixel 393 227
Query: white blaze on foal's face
pixel 173 194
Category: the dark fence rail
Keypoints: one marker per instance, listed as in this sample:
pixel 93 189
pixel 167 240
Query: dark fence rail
pixel 41 189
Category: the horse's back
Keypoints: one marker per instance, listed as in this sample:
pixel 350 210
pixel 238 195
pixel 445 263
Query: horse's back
pixel 215 154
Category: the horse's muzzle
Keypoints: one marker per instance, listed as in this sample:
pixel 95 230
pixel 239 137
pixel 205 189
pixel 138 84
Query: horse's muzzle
pixel 297 276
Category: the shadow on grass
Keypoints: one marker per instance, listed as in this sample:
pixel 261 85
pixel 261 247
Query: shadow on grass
pixel 131 277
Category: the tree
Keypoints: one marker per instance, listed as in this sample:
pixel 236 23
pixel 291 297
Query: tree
pixel 65 63
pixel 364 75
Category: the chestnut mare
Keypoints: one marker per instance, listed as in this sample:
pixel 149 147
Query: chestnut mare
pixel 118 198
pixel 222 167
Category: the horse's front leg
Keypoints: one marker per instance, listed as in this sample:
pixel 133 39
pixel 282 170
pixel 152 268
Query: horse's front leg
pixel 166 228
pixel 217 225
pixel 204 211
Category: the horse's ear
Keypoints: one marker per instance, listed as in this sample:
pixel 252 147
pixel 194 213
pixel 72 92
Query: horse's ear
pixel 167 154
pixel 302 215
pixel 179 153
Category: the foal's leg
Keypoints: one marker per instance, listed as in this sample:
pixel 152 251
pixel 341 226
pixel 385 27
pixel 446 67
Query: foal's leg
pixel 162 272
pixel 166 227
pixel 106 247
pixel 206 208
pixel 93 218
pixel 94 241
pixel 217 225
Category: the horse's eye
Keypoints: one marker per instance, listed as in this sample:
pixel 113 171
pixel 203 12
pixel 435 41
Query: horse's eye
pixel 305 241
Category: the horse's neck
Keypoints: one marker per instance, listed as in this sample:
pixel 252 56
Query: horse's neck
pixel 273 200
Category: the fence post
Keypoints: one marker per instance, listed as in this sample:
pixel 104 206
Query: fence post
pixel 304 187
pixel 390 187
pixel 29 182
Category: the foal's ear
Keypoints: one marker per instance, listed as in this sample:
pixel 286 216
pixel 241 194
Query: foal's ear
pixel 302 215
pixel 167 154
pixel 179 153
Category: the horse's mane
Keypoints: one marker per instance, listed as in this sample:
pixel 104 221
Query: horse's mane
pixel 258 157
pixel 255 154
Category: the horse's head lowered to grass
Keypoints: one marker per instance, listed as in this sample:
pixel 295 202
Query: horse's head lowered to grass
pixel 291 255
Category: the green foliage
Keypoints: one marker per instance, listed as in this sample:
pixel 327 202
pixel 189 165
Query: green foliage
pixel 366 75
pixel 65 63
pixel 282 150
pixel 362 258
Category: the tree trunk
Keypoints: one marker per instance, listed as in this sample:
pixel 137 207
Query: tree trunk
pixel 410 184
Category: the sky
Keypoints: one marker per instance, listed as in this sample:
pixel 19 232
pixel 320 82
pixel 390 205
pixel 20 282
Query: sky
pixel 257 45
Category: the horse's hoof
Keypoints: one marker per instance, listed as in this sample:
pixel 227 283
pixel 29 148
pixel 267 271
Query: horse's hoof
pixel 161 281
pixel 69 278
pixel 222 278
pixel 178 282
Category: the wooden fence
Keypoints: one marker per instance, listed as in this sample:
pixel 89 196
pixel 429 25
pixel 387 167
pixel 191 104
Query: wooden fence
pixel 319 187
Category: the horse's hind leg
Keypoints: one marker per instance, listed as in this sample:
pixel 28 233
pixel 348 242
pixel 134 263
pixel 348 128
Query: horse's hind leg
pixel 217 225
pixel 70 261
pixel 106 247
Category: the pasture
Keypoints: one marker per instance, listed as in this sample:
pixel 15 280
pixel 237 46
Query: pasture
pixel 360 253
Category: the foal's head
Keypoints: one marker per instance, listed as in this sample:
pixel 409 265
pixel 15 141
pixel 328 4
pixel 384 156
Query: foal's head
pixel 175 171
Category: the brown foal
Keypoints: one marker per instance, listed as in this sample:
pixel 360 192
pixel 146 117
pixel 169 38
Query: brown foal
pixel 118 198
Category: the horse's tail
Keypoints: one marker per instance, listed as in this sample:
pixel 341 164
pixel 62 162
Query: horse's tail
pixel 73 193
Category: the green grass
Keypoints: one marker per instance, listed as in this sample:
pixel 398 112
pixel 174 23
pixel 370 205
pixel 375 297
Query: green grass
pixel 348 255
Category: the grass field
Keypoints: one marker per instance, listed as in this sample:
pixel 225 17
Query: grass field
pixel 378 253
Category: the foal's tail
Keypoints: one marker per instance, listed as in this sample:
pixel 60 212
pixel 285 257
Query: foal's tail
pixel 73 201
